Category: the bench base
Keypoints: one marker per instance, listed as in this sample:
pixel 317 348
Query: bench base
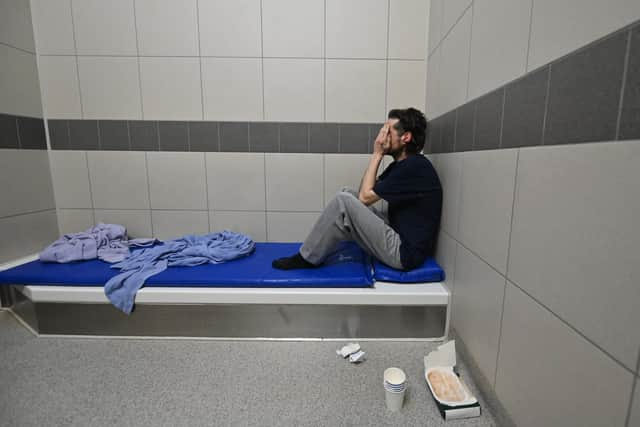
pixel 235 320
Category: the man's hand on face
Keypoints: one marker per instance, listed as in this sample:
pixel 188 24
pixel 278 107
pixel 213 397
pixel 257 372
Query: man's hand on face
pixel 383 141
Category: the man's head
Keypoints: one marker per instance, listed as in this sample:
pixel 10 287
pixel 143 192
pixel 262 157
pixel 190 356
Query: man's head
pixel 408 130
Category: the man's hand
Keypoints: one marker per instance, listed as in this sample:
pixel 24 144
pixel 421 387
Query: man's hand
pixel 383 141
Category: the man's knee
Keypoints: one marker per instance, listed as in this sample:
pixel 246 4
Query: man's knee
pixel 350 191
pixel 347 196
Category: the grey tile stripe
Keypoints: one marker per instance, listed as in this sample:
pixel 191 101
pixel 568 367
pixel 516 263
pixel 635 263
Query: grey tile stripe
pixel 546 105
pixel 627 28
pixel 504 100
pixel 623 86
pixel 18 132
pixel 573 328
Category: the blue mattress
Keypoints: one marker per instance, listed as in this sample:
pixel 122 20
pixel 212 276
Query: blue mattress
pixel 429 271
pixel 349 267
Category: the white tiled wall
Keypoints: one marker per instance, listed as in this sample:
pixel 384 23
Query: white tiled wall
pixel 561 26
pixel 162 101
pixel 167 194
pixel 27 206
pixel 538 350
pixel 110 87
pixel 26 182
pixel 273 60
pixel 558 225
pixel 15 24
pixel 19 87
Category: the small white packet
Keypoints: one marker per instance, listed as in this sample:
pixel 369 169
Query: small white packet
pixel 348 349
pixel 357 357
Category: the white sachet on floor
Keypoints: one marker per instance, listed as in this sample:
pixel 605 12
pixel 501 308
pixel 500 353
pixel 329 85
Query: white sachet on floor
pixel 348 349
pixel 357 357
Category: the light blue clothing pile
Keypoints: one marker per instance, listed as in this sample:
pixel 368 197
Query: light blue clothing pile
pixel 108 242
pixel 187 251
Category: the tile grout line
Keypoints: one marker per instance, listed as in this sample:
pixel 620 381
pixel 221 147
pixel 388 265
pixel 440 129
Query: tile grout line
pixel 625 70
pixel 206 188
pixel 200 60
pixel 93 206
pixel 218 124
pixel 444 36
pixel 135 25
pixel 542 305
pixel 470 45
pixel 506 274
pixel 324 64
pixel 18 133
pixel 99 138
pixel 77 61
pixel 634 390
pixel 504 100
pixel 546 105
pixel 249 136
pixel 386 77
pixel 188 136
pixel 68 128
pixel 28 213
pixel 362 58
pixel 526 61
pixel 128 135
pixel 146 168
pixel 262 57
pixel 264 172
pixel 17 48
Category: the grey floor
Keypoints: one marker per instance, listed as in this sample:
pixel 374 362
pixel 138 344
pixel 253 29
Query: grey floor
pixel 94 382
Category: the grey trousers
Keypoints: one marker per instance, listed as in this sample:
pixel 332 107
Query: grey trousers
pixel 347 218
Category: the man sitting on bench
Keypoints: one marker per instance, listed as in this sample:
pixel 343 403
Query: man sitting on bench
pixel 410 185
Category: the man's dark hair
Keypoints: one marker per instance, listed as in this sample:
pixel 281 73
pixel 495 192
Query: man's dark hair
pixel 414 121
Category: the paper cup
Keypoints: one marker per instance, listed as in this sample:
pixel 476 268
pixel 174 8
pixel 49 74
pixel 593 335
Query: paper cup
pixel 394 400
pixel 395 376
pixel 395 385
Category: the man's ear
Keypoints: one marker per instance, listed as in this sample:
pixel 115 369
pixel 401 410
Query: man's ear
pixel 406 137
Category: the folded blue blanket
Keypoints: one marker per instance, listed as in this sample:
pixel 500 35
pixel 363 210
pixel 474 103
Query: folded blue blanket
pixel 186 251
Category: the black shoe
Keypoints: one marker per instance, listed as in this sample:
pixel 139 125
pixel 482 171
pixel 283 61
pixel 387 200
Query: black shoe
pixel 292 263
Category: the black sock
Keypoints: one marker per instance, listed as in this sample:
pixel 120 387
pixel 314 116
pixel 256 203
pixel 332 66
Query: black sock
pixel 291 263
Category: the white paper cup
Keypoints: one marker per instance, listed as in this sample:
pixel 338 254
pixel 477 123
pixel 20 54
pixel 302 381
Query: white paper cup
pixel 395 385
pixel 395 376
pixel 394 400
pixel 395 388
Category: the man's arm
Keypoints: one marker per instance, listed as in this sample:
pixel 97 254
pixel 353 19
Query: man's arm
pixel 366 194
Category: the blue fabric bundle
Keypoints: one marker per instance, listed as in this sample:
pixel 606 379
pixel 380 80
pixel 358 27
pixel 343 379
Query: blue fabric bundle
pixel 187 251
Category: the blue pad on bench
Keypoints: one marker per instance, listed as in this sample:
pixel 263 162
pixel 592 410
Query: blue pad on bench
pixel 429 271
pixel 348 267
